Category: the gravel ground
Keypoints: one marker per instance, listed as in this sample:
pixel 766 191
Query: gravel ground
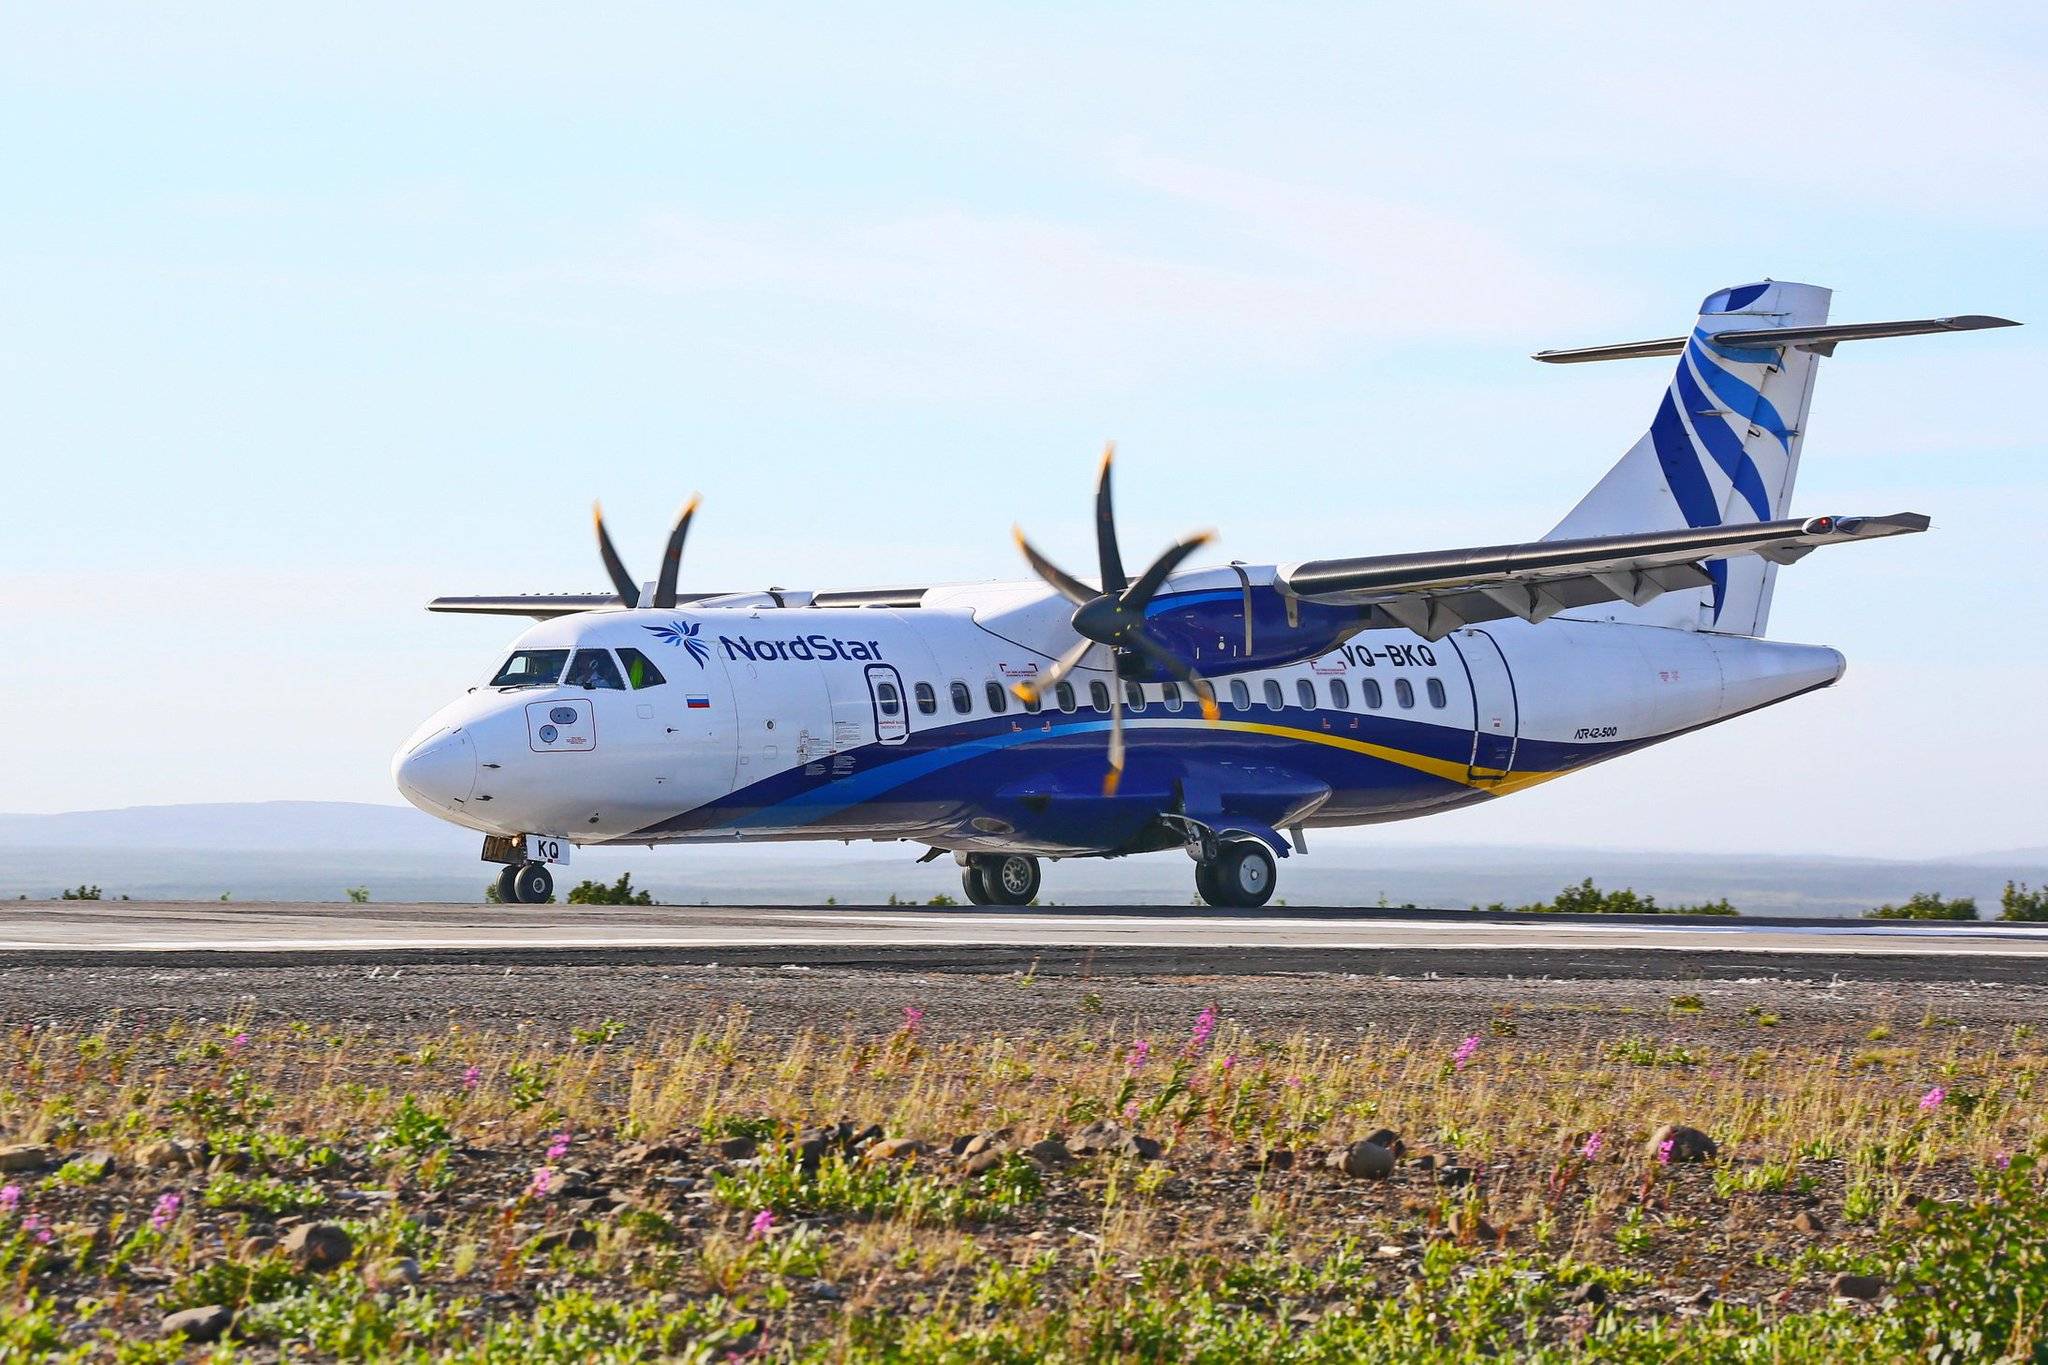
pixel 786 1000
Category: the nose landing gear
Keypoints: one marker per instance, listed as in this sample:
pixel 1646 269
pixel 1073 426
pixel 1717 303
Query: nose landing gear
pixel 526 884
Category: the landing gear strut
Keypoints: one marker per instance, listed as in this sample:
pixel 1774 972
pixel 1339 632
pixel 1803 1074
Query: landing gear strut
pixel 526 884
pixel 1239 877
pixel 1000 879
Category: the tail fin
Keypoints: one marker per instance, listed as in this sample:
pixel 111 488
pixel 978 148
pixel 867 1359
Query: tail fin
pixel 1724 447
pixel 1722 450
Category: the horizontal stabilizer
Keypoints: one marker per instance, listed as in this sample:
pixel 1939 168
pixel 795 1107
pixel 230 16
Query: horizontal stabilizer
pixel 1435 592
pixel 1821 340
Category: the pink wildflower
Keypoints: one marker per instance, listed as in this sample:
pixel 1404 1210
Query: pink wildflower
pixel 1664 1151
pixel 2002 1160
pixel 10 1198
pixel 1229 1060
pixel 543 1181
pixel 167 1206
pixel 472 1077
pixel 764 1223
pixel 1594 1142
pixel 239 1041
pixel 1140 1050
pixel 913 1019
pixel 1205 1024
pixel 559 1147
pixel 1465 1051
pixel 1931 1101
pixel 1294 1082
pixel 35 1227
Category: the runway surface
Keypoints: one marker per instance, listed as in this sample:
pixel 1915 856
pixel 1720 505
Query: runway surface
pixel 1099 939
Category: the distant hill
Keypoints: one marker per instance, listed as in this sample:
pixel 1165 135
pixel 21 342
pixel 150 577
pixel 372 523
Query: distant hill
pixel 315 850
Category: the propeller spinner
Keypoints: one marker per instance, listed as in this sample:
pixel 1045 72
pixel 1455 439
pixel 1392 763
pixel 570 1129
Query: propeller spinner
pixel 1114 618
pixel 664 596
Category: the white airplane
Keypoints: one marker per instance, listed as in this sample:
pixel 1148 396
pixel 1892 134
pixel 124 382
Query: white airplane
pixel 1201 709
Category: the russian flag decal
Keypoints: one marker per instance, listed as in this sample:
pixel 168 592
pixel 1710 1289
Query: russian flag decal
pixel 699 703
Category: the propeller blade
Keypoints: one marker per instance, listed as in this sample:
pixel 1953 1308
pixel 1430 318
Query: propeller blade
pixel 1111 560
pixel 629 591
pixel 1112 779
pixel 1031 690
pixel 1154 578
pixel 672 557
pixel 1069 587
pixel 1171 663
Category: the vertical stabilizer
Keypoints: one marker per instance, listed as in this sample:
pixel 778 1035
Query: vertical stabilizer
pixel 1722 450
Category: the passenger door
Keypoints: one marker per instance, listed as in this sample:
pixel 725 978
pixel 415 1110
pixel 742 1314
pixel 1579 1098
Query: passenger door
pixel 1496 712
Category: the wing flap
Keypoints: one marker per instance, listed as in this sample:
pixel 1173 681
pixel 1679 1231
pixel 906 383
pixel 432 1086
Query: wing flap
pixel 1434 592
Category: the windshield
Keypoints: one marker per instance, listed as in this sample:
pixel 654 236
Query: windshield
pixel 531 668
pixel 594 669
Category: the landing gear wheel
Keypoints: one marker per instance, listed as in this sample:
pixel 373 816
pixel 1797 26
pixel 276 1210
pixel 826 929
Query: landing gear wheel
pixel 508 889
pixel 1009 879
pixel 971 883
pixel 534 883
pixel 1241 878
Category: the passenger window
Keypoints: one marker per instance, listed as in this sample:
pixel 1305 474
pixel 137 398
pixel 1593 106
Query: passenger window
pixel 531 668
pixel 1135 695
pixel 1306 690
pixel 1404 693
pixel 1170 694
pixel 1064 695
pixel 963 698
pixel 1369 688
pixel 998 697
pixel 1098 695
pixel 1340 694
pixel 640 670
pixel 1275 698
pixel 1435 688
pixel 1036 703
pixel 927 699
pixel 593 669
pixel 888 699
pixel 1240 694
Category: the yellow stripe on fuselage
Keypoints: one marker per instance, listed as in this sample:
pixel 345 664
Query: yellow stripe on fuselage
pixel 1480 779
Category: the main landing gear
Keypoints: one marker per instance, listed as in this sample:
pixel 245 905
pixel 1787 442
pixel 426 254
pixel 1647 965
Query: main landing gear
pixel 526 884
pixel 1240 876
pixel 1000 879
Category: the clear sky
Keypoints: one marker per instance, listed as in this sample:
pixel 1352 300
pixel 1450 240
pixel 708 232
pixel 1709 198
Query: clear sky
pixel 310 313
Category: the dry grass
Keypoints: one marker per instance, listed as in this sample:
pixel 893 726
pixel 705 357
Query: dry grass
pixel 1106 1258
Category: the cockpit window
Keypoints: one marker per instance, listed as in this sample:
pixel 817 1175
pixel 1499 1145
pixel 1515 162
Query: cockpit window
pixel 594 669
pixel 640 670
pixel 531 668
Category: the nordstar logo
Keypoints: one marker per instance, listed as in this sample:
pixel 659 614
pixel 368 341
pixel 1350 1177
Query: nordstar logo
pixel 682 633
pixel 809 648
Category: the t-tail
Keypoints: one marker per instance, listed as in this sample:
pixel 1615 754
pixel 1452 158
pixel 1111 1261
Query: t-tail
pixel 1723 448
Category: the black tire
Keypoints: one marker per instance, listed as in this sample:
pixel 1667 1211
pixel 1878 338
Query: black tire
pixel 508 884
pixel 1246 873
pixel 1206 887
pixel 534 883
pixel 1010 879
pixel 970 882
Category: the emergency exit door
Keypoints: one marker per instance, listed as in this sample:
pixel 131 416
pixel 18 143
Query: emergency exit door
pixel 891 707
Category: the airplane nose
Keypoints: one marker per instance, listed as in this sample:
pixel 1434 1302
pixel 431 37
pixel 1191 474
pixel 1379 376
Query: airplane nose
pixel 439 773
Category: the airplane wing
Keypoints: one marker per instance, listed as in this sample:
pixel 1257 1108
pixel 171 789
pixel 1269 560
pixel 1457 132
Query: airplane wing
pixel 1434 593
pixel 545 606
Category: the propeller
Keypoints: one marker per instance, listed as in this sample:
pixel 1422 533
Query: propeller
pixel 671 559
pixel 1113 617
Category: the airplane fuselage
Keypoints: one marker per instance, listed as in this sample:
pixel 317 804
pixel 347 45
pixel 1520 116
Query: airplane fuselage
pixel 900 724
